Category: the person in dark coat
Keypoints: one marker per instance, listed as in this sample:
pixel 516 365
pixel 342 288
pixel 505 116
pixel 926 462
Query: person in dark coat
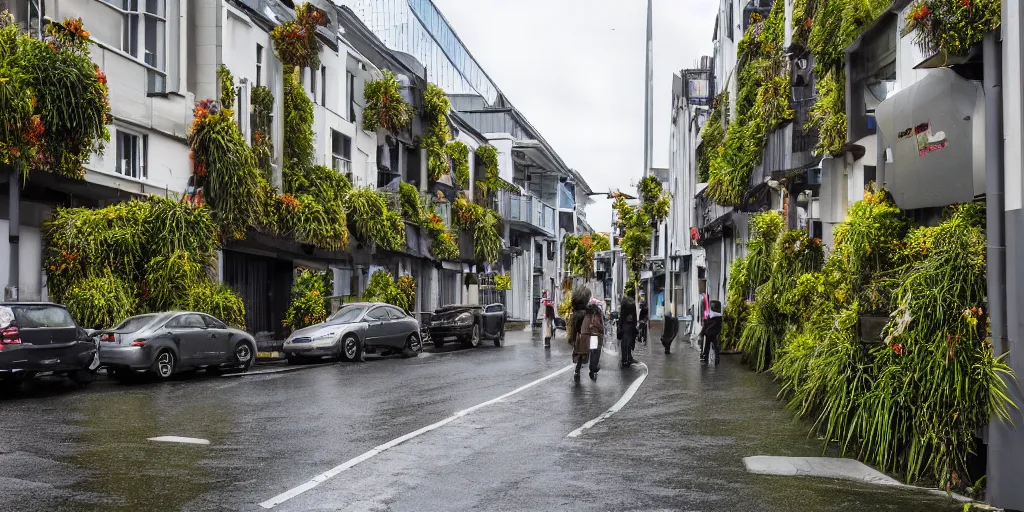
pixel 580 327
pixel 643 321
pixel 627 330
pixel 712 328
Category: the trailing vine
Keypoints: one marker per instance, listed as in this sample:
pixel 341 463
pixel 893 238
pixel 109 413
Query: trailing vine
pixel 437 134
pixel 385 108
pixel 295 41
pixel 458 152
pixel 712 136
pixel 953 26
pixel 383 288
pixel 227 86
pixel 107 264
pixel 299 151
pixel 487 155
pixel 828 114
pixel 54 107
pixel 261 121
pixel 374 220
pixel 483 223
pixel 762 104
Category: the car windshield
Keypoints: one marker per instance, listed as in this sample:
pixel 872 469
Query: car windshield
pixel 347 314
pixel 30 317
pixel 134 323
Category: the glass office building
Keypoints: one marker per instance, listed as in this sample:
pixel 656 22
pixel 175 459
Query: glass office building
pixel 417 28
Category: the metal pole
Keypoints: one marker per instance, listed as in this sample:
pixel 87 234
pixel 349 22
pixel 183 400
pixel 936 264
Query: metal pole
pixel 13 234
pixel 1003 224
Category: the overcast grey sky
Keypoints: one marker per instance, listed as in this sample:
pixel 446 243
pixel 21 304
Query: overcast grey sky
pixel 575 68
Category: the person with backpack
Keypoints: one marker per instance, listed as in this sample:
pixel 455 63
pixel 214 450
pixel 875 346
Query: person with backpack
pixel 585 327
pixel 710 332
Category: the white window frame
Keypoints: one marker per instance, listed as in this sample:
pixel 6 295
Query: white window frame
pixel 259 64
pixel 134 45
pixel 341 163
pixel 140 162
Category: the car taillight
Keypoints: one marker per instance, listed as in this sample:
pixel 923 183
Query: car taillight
pixel 10 336
pixel 139 343
pixel 107 337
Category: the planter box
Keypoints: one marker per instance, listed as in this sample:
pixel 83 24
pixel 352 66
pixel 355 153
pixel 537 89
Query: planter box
pixel 869 328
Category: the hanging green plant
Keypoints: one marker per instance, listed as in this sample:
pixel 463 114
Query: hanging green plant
pixel 445 246
pixel 466 213
pixel 227 86
pixel 487 155
pixel 579 252
pixel 54 107
pixel 374 220
pixel 409 199
pixel 261 121
pixel 382 288
pixel 385 108
pixel 458 152
pixel 487 238
pixel 407 286
pixel 295 42
pixel 828 114
pixel 503 282
pixel 953 26
pixel 225 169
pixel 436 134
pixel 712 135
pixel 299 151
pixel 134 257
pixel 762 104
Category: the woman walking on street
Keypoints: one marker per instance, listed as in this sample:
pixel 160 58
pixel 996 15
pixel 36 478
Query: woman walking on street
pixel 586 321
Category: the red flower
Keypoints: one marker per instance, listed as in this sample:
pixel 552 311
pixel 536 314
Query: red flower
pixel 898 349
pixel 966 3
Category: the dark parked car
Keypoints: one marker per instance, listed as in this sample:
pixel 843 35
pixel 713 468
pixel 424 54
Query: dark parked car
pixel 354 330
pixel 40 337
pixel 468 324
pixel 166 343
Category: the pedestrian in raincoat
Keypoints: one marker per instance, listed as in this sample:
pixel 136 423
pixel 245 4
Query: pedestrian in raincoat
pixel 587 321
pixel 627 330
pixel 712 328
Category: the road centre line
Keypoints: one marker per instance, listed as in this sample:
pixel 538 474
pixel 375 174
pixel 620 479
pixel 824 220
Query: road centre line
pixel 626 397
pixel 333 472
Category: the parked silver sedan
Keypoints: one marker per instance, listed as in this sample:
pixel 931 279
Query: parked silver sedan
pixel 166 343
pixel 355 330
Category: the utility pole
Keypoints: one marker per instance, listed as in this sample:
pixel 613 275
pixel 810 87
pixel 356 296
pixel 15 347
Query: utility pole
pixel 648 136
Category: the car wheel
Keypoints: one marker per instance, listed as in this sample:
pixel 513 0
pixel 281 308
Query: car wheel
pixel 164 365
pixel 351 349
pixel 243 356
pixel 413 346
pixel 474 338
pixel 82 377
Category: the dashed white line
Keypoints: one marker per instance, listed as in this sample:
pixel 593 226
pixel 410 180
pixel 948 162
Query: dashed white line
pixel 333 472
pixel 615 408
pixel 176 439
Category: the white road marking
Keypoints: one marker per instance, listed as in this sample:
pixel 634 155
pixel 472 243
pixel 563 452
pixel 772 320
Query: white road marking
pixel 176 439
pixel 333 472
pixel 615 408
pixel 277 370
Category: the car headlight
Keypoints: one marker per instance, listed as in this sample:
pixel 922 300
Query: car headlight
pixel 464 318
pixel 319 337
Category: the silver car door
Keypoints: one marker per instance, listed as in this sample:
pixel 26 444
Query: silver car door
pixel 220 344
pixel 398 327
pixel 376 325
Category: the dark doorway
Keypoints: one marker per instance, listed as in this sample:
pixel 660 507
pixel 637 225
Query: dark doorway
pixel 265 286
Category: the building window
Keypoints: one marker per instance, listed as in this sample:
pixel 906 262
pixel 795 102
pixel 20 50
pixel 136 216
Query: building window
pixel 131 155
pixel 341 149
pixel 323 85
pixel 144 37
pixel 259 65
pixel 312 84
pixel 351 97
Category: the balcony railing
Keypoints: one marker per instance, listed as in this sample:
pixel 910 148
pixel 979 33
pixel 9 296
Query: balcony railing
pixel 528 209
pixel 342 166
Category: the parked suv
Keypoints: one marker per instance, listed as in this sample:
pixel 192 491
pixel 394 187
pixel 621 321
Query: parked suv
pixel 468 324
pixel 41 337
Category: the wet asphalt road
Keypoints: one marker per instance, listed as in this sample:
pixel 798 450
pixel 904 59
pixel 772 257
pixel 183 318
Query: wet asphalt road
pixel 678 445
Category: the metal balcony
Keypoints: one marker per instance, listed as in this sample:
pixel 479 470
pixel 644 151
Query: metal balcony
pixel 527 211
